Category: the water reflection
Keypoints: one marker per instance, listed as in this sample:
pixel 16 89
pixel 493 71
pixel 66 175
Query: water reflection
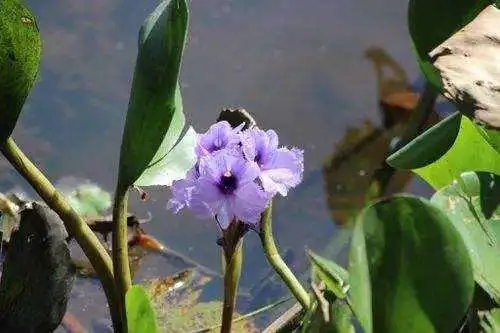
pixel 357 173
pixel 297 66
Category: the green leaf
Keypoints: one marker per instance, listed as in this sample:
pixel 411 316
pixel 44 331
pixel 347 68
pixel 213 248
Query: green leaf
pixel 489 321
pixel 173 165
pixel 339 319
pixel 428 146
pixel 359 275
pixel 20 48
pixel 473 207
pixel 432 22
pixel 154 118
pixel 419 271
pixel 470 152
pixel 140 314
pixel 334 276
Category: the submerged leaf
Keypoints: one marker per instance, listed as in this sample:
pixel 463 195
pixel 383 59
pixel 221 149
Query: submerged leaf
pixel 20 48
pixel 154 118
pixel 88 200
pixel 410 256
pixel 473 207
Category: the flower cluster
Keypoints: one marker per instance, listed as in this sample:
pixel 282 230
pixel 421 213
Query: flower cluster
pixel 236 174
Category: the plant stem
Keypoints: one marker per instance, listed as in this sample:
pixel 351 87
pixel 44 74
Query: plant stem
pixel 233 259
pixel 279 265
pixel 75 225
pixel 121 267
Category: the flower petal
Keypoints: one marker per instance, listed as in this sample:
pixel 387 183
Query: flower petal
pixel 249 203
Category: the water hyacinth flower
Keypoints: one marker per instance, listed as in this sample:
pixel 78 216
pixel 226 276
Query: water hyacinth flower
pixel 219 136
pixel 281 168
pixel 236 175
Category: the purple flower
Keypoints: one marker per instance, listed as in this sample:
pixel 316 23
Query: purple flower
pixel 226 188
pixel 281 168
pixel 219 136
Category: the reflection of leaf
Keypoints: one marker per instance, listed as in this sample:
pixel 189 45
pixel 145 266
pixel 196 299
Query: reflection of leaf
pixel 350 175
pixel 140 313
pixel 473 206
pixel 410 256
pixel 470 152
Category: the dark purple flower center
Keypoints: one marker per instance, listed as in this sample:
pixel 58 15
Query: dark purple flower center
pixel 228 183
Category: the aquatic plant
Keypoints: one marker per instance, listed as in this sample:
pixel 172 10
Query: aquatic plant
pixel 415 265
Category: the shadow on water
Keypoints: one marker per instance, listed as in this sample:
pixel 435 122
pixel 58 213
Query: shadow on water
pixel 306 69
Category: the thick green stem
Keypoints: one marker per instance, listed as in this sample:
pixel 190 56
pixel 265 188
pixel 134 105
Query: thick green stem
pixel 233 259
pixel 279 265
pixel 75 225
pixel 120 248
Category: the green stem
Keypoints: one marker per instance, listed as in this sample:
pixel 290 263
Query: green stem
pixel 121 267
pixel 233 259
pixel 279 265
pixel 75 225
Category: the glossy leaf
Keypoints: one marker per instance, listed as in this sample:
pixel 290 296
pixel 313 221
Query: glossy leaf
pixel 432 22
pixel 473 206
pixel 140 314
pixel 20 48
pixel 173 165
pixel 154 118
pixel 360 297
pixel 418 268
pixel 334 276
pixel 470 152
pixel 428 146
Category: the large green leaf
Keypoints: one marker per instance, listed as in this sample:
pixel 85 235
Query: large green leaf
pixel 432 22
pixel 140 314
pixel 473 206
pixel 471 151
pixel 20 48
pixel 428 146
pixel 154 118
pixel 419 271
pixel 360 297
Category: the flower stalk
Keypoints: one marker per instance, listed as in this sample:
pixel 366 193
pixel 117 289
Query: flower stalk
pixel 277 262
pixel 232 247
pixel 75 225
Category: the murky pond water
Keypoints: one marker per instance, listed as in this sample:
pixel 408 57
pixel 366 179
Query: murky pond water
pixel 298 66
